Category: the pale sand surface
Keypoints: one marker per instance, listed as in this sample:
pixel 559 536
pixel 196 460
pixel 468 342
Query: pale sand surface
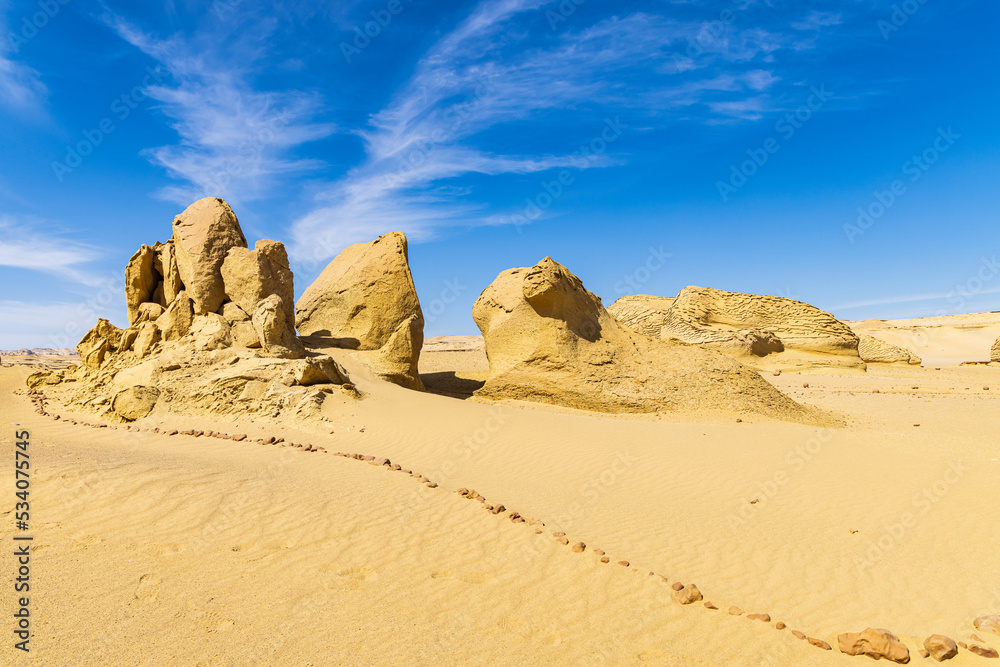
pixel 178 550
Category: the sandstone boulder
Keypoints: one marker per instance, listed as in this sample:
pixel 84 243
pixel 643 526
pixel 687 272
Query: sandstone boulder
pixel 98 344
pixel 365 300
pixel 211 332
pixel 146 339
pixel 135 402
pixel 275 331
pixel 318 370
pixel 995 351
pixel 549 340
pixel 166 266
pixel 941 648
pixel 244 334
pixel 176 321
pixel 203 235
pixel 876 644
pixel 875 351
pixel 141 279
pixel 744 326
pixel 250 276
pixel 234 313
pixel 148 312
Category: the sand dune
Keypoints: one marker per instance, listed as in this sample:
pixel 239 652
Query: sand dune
pixel 217 552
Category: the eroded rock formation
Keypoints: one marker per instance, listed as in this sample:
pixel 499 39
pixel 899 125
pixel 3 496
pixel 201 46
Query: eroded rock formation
pixel 876 351
pixel 764 331
pixel 365 300
pixel 550 340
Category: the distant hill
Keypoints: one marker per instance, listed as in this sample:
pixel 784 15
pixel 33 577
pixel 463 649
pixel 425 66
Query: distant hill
pixel 37 351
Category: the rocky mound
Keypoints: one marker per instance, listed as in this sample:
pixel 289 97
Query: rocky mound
pixel 365 300
pixel 550 340
pixel 995 351
pixel 211 328
pixel 875 351
pixel 750 327
pixel 642 313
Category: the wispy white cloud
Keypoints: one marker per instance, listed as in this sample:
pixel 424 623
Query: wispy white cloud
pixel 472 81
pixel 23 246
pixel 235 141
pixel 21 87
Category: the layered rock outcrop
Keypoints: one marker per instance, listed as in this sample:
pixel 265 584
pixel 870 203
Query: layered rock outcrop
pixel 748 327
pixel 365 300
pixel 876 351
pixel 549 340
pixel 995 351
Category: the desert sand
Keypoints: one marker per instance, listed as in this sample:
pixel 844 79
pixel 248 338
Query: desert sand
pixel 478 522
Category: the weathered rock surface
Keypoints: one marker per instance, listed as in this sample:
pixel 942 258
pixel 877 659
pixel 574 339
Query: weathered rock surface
pixel 995 351
pixel 176 321
pixel 98 343
pixel 940 648
pixel 874 643
pixel 744 326
pixel 875 351
pixel 250 276
pixel 148 312
pixel 642 313
pixel 203 235
pixel 211 332
pixel 275 331
pixel 549 340
pixel 140 281
pixel 166 266
pixel 135 402
pixel 146 339
pixel 365 300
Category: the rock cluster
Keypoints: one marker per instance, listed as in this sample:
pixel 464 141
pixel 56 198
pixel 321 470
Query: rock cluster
pixel 749 327
pixel 207 284
pixel 875 351
pixel 550 340
pixel 365 300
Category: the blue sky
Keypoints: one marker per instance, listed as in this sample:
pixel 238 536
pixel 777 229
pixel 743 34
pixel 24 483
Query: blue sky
pixel 843 153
